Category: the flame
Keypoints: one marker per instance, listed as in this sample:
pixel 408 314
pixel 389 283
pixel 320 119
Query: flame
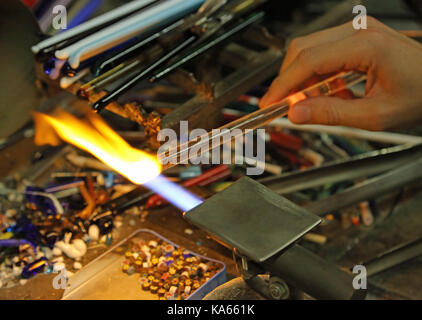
pixel 97 138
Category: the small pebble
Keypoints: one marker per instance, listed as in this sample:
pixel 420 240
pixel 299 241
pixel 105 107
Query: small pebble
pixel 58 259
pixel 19 197
pixel 94 232
pixel 48 253
pixel 135 211
pixel 109 240
pixel 39 255
pixel 77 265
pixel 100 180
pixel 80 245
pixel 58 266
pixel 76 249
pixel 188 231
pixel 153 244
pixel 22 282
pixel 10 213
pixel 67 237
pixel 103 239
pixel 17 271
pixel 57 251
pixel 118 224
pixel 11 196
pixel 131 270
pixel 86 238
pixel 48 270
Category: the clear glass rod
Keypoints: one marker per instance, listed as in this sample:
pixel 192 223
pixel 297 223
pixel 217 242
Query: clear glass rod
pixel 213 139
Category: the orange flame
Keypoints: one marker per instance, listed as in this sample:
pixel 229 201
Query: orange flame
pixel 97 138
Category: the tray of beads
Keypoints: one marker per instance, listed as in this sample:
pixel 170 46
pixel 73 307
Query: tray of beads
pixel 146 266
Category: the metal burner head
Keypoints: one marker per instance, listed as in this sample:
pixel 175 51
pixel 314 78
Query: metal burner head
pixel 253 219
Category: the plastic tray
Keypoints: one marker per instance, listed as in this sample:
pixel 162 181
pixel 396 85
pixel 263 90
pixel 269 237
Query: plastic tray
pixel 103 279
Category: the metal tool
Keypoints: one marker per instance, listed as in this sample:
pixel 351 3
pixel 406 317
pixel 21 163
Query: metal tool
pixel 394 257
pixel 101 103
pixel 126 53
pixel 263 227
pixel 208 8
pixel 195 52
pixel 364 165
pixel 371 188
pixel 219 14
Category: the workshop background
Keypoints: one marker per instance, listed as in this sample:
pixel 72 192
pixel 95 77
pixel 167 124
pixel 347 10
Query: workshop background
pixel 62 209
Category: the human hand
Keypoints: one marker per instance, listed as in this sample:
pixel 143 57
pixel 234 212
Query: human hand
pixel 392 61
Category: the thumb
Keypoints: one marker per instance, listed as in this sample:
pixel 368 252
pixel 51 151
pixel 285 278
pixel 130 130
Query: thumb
pixel 359 113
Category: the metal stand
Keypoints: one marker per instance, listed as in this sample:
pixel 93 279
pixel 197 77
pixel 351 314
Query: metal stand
pixel 263 228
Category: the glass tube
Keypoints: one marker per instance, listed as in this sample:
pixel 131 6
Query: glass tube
pixel 111 75
pixel 259 118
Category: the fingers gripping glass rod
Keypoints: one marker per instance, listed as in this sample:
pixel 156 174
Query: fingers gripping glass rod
pixel 182 152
